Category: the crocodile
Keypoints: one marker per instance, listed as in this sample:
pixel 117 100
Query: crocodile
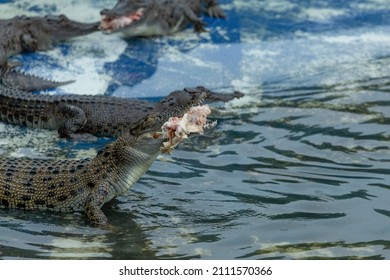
pixel 157 17
pixel 85 117
pixel 29 34
pixel 86 184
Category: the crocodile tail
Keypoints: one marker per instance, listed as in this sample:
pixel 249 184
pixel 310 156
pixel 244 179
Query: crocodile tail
pixel 26 82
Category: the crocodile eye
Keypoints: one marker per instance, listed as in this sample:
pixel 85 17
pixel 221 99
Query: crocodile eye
pixel 63 17
pixel 50 18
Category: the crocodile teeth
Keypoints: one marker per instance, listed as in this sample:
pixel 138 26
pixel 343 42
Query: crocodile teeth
pixel 112 23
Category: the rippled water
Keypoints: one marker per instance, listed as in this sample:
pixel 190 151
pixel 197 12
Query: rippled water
pixel 298 169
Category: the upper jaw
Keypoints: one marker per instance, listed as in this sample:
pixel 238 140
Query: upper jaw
pixel 62 28
pixel 112 21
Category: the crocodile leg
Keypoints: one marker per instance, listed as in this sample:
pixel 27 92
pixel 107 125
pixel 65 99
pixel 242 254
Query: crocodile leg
pixel 29 43
pixel 94 203
pixel 75 120
pixel 213 10
pixel 193 18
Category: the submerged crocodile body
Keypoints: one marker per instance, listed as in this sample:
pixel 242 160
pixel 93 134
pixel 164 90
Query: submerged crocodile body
pixel 157 17
pixel 29 34
pixel 86 184
pixel 79 117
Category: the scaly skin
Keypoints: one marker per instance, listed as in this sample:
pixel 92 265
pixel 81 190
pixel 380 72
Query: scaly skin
pixel 86 184
pixel 79 117
pixel 29 34
pixel 157 17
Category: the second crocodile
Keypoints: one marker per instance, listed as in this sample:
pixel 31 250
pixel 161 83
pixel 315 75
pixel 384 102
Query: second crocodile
pixel 82 117
pixel 29 34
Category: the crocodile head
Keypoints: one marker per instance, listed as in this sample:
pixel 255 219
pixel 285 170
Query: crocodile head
pixel 139 147
pixel 135 17
pixel 174 105
pixel 44 31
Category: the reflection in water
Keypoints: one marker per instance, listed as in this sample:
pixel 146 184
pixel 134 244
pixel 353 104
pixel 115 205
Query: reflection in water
pixel 307 251
pixel 67 236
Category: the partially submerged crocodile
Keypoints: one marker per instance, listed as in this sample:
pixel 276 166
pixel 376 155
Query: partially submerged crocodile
pixel 79 117
pixel 29 34
pixel 86 184
pixel 157 17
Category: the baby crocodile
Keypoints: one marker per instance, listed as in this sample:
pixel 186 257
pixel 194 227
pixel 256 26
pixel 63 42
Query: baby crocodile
pixel 157 17
pixel 28 34
pixel 85 184
pixel 79 117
